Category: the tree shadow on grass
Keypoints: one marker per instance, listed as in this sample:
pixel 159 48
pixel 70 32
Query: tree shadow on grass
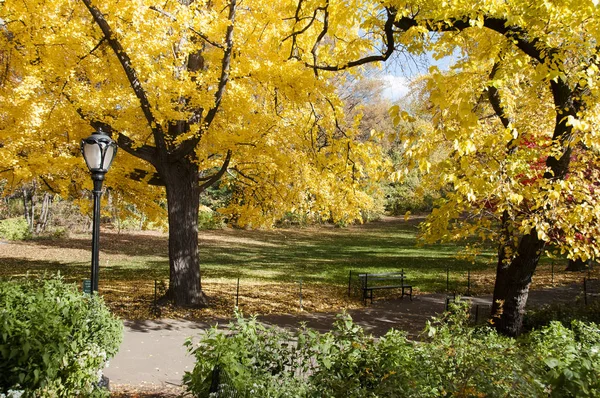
pixel 112 243
pixel 18 267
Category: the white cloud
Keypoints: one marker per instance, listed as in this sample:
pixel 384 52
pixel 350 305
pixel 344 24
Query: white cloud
pixel 394 87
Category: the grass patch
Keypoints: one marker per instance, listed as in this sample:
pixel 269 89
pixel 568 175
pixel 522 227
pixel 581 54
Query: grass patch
pixel 270 265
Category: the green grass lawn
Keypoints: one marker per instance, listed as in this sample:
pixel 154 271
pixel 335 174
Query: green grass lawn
pixel 326 255
pixel 269 263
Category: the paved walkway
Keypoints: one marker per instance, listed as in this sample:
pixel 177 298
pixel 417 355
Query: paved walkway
pixel 152 355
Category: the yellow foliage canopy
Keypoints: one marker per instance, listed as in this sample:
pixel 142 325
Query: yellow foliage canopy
pixel 211 82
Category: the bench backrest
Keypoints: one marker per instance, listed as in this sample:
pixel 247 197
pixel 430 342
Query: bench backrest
pixel 367 279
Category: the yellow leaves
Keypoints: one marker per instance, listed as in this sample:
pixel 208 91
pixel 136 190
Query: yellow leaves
pixel 273 110
pixel 464 147
pixel 515 198
pixel 424 166
pixel 477 22
pixel 578 124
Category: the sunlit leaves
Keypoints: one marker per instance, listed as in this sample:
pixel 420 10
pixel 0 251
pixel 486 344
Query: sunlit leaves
pixel 281 122
pixel 493 169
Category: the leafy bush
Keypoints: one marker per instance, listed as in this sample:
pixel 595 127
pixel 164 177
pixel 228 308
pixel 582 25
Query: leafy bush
pixel 54 341
pixel 453 359
pixel 14 229
pixel 571 358
pixel 295 219
pixel 256 361
pixel 403 197
pixel 209 219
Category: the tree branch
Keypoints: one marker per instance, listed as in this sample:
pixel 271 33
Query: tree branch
pixel 244 175
pixel 144 152
pixel 534 48
pixel 141 175
pixel 496 102
pixel 297 19
pixel 390 46
pixel 188 146
pixel 130 72
pixel 199 34
pixel 217 176
pixel 54 191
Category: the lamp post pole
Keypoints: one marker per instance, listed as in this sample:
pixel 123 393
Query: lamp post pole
pixel 98 151
pixel 96 193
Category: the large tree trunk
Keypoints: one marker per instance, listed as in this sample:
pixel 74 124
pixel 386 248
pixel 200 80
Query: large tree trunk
pixel 513 278
pixel 183 200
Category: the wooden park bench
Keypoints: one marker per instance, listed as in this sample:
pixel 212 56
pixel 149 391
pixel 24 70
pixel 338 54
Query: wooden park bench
pixel 591 290
pixel 379 281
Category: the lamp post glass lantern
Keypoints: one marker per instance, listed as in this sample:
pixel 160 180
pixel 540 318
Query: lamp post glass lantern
pixel 98 150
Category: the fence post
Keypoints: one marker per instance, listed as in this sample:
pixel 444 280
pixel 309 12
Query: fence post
pixel 365 289
pixel 349 283
pixel 237 293
pixel 300 294
pixel 468 282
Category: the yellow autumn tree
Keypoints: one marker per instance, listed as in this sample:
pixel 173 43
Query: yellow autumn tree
pixel 517 115
pixel 191 91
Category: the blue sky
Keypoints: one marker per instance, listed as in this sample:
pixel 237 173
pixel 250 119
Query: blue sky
pixel 396 80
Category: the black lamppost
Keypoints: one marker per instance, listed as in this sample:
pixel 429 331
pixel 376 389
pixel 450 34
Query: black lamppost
pixel 98 150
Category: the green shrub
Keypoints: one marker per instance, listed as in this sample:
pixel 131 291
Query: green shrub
pixel 14 229
pixel 403 197
pixel 569 358
pixel 54 341
pixel 209 219
pixel 349 363
pixel 255 360
pixel 453 359
pixel 295 219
